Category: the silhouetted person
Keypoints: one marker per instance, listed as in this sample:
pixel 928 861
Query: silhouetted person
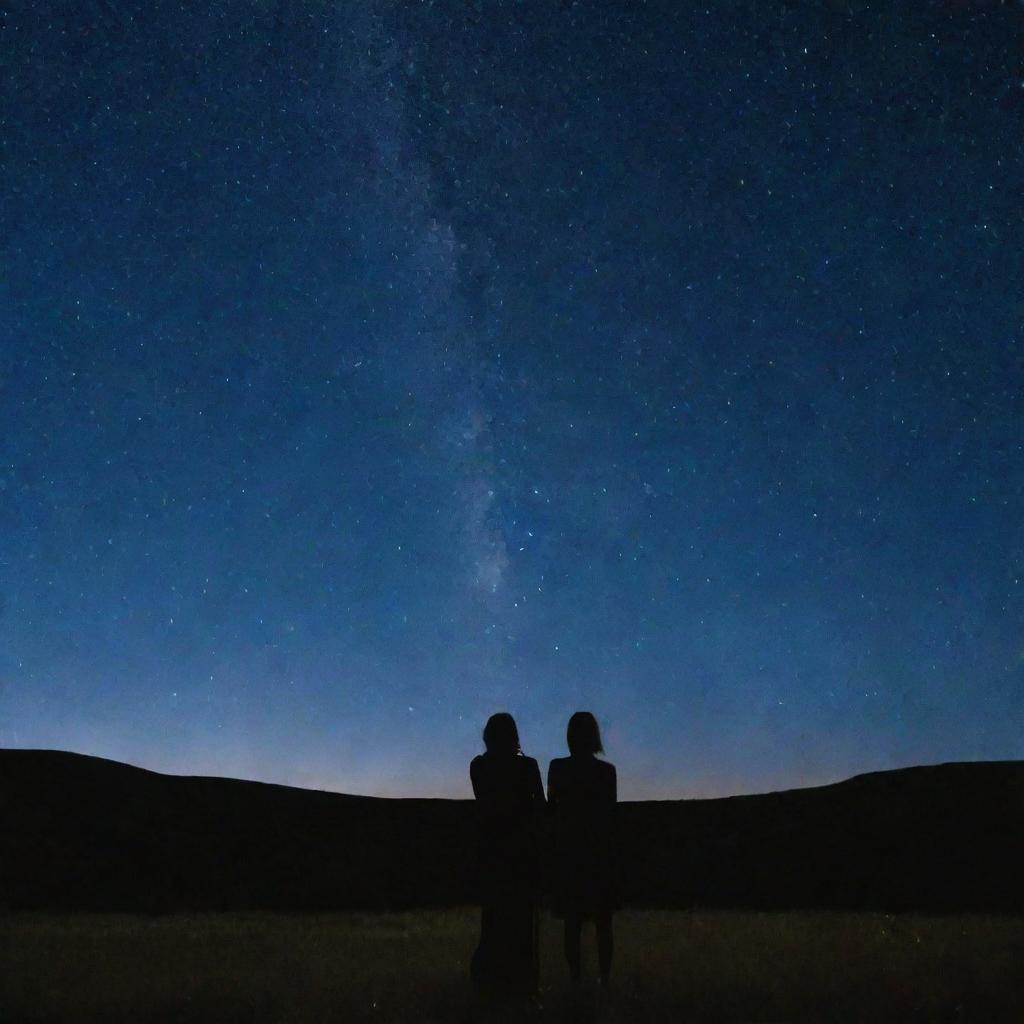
pixel 582 791
pixel 510 800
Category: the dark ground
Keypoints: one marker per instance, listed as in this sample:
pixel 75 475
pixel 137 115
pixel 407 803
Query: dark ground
pixel 412 967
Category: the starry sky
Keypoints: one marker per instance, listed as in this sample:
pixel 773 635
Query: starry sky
pixel 370 367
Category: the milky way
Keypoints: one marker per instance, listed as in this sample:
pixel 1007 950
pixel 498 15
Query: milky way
pixel 367 368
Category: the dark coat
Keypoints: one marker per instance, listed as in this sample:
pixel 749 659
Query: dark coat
pixel 582 793
pixel 510 804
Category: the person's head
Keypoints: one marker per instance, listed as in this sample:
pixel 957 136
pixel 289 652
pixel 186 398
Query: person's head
pixel 583 735
pixel 501 735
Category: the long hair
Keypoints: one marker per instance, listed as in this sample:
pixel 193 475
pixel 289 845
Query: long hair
pixel 501 735
pixel 583 735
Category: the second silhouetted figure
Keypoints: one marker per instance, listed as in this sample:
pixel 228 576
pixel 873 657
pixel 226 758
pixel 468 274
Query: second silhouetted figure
pixel 582 792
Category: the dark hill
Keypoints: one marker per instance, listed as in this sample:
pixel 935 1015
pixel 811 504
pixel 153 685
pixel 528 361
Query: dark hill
pixel 83 833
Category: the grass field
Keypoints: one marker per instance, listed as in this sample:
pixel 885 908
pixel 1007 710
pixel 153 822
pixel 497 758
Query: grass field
pixel 412 967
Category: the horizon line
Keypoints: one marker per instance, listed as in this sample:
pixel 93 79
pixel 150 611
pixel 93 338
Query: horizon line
pixel 469 799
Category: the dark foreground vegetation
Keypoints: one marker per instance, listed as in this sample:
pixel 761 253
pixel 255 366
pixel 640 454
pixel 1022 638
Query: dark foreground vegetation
pixel 81 833
pixel 412 967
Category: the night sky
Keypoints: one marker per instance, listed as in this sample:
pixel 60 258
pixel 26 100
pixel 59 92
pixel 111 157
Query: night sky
pixel 367 368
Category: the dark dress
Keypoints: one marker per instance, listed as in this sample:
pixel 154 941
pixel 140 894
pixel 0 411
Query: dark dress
pixel 585 874
pixel 510 800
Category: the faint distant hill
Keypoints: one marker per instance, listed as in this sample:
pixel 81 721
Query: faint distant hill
pixel 82 833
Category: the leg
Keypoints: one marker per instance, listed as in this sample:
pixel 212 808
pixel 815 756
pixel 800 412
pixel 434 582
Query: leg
pixel 603 921
pixel 482 965
pixel 526 949
pixel 535 953
pixel 573 927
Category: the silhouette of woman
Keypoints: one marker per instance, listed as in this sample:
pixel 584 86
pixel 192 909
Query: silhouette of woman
pixel 510 801
pixel 581 795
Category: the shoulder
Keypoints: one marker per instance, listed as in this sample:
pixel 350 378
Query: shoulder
pixel 607 767
pixel 478 763
pixel 557 765
pixel 531 770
